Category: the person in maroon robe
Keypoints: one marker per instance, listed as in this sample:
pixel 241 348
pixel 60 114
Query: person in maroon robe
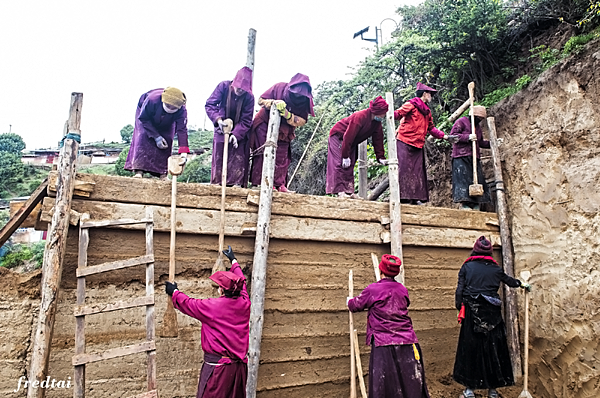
pixel 396 366
pixel 160 114
pixel 232 99
pixel 295 103
pixel 342 150
pixel 225 332
pixel 415 123
pixel 462 160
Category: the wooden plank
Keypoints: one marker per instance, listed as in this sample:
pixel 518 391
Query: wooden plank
pixel 362 169
pixel 55 251
pixel 79 373
pixel 149 394
pixel 143 191
pixel 29 222
pixel 261 252
pixel 21 215
pixel 82 310
pixel 109 223
pixel 83 359
pixel 74 216
pixel 114 265
pixel 82 188
pixel 150 311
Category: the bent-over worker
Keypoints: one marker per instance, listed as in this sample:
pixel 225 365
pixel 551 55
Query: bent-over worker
pixel 294 102
pixel 415 123
pixel 232 99
pixel 462 160
pixel 396 365
pixel 482 356
pixel 225 332
pixel 342 150
pixel 159 116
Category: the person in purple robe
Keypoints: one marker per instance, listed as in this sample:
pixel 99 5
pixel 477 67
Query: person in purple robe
pixel 342 149
pixel 396 366
pixel 295 103
pixel 232 99
pixel 160 114
pixel 225 332
pixel 462 160
pixel 415 123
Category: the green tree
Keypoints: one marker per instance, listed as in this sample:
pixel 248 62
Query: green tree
pixel 127 133
pixel 198 169
pixel 11 142
pixel 120 164
pixel 11 172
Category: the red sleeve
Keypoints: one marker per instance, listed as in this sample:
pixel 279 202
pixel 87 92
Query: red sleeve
pixel 360 302
pixel 350 135
pixel 403 111
pixel 434 131
pixel 236 269
pixel 182 133
pixel 378 142
pixel 460 129
pixel 190 306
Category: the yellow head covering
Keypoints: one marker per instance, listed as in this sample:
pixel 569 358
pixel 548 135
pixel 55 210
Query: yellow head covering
pixel 479 111
pixel 173 96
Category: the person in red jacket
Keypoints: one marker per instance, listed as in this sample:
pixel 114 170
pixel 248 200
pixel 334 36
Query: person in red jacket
pixel 415 123
pixel 342 150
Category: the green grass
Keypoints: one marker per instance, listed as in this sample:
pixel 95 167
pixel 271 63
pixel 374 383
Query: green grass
pixel 17 255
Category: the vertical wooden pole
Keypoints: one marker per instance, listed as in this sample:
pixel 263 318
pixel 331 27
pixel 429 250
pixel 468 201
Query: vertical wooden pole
pixel 352 346
pixel 55 250
pixel 261 251
pixel 251 47
pixel 362 169
pixel 150 316
pixel 79 373
pixel 395 209
pixel 510 296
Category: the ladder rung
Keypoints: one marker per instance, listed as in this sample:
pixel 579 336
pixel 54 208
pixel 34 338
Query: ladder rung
pixel 108 223
pixel 114 265
pixel 81 310
pixel 83 359
pixel 149 394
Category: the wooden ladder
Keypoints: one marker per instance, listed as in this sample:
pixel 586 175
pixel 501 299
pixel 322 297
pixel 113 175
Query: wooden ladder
pixel 81 358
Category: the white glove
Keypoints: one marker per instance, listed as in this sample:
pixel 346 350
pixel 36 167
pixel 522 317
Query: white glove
pixel 345 163
pixel 472 137
pixel 183 158
pixel 233 141
pixel 382 162
pixel 430 138
pixel 222 125
pixel 348 300
pixel 500 141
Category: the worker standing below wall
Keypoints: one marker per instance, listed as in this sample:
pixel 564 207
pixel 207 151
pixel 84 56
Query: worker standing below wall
pixel 295 103
pixel 232 100
pixel 396 365
pixel 159 116
pixel 225 332
pixel 415 123
pixel 482 356
pixel 342 149
pixel 462 160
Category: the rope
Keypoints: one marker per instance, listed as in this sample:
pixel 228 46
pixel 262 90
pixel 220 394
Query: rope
pixel 260 149
pixel 69 136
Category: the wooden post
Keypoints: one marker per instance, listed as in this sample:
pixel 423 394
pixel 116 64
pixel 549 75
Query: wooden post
pixel 395 209
pixel 55 250
pixel 510 296
pixel 79 373
pixel 261 251
pixel 150 315
pixel 251 47
pixel 362 169
pixel 352 346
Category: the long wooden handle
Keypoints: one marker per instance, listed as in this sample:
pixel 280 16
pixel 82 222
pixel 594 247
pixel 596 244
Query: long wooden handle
pixel 472 100
pixel 173 226
pixel 526 372
pixel 361 379
pixel 223 185
pixel 352 352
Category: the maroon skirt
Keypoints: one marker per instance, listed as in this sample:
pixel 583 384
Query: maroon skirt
pixel 222 380
pixel 338 178
pixel 412 174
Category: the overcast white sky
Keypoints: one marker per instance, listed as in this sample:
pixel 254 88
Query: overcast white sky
pixel 113 51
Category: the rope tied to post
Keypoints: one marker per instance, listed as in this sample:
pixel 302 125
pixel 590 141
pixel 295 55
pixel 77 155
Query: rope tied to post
pixel 261 148
pixel 69 136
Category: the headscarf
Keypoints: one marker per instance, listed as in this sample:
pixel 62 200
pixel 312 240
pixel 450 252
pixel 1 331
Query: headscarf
pixel 173 96
pixel 483 246
pixel 303 99
pixel 243 79
pixel 378 106
pixel 422 87
pixel 227 280
pixel 479 111
pixel 390 265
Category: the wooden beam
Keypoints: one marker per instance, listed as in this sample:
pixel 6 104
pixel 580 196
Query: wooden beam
pixel 108 223
pixel 83 359
pixel 251 47
pixel 510 295
pixel 79 372
pixel 150 309
pixel 261 252
pixel 29 222
pixel 395 208
pixel 114 265
pixel 149 394
pixel 81 310
pixel 21 215
pixel 55 250
pixel 362 169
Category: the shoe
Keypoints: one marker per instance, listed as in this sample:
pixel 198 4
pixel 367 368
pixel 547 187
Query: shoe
pixel 138 175
pixel 284 189
pixel 343 195
pixel 468 393
pixel 419 203
pixel 492 393
pixel 465 207
pixel 355 196
pixel 476 208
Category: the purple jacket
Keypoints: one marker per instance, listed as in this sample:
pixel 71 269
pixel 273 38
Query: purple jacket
pixel 225 321
pixel 462 128
pixel 388 321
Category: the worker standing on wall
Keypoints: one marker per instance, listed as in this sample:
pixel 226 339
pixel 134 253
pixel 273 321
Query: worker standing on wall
pixel 295 103
pixel 396 365
pixel 462 160
pixel 159 116
pixel 342 149
pixel 232 99
pixel 225 332
pixel 415 123
pixel 482 356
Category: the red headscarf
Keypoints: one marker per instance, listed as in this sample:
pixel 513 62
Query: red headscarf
pixel 483 246
pixel 227 280
pixel 422 87
pixel 390 265
pixel 378 106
